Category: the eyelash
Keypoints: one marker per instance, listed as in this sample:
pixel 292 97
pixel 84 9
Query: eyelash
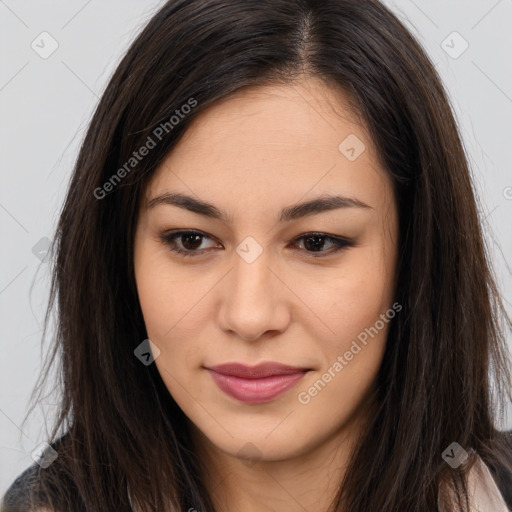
pixel 170 240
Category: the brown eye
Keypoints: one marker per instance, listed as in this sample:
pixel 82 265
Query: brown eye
pixel 188 243
pixel 315 243
pixel 191 241
pixel 185 243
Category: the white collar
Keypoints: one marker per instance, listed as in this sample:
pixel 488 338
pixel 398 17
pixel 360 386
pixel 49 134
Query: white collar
pixel 484 494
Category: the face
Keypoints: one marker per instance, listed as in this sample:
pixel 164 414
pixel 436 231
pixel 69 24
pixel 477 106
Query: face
pixel 262 279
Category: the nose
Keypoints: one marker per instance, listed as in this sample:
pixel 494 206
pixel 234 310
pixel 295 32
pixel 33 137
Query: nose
pixel 254 300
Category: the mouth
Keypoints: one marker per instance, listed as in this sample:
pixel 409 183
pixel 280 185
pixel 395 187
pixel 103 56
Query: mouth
pixel 257 384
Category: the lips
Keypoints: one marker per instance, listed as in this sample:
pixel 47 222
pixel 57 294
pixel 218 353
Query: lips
pixel 256 384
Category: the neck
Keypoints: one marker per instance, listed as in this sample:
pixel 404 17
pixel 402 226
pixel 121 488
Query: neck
pixel 308 480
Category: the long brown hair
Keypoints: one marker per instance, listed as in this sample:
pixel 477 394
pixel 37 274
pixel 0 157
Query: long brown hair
pixel 118 426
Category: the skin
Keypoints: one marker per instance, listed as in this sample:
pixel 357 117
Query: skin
pixel 251 155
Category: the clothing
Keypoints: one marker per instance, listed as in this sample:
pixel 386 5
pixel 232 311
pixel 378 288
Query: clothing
pixel 484 495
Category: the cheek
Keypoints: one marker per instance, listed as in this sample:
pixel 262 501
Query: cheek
pixel 351 298
pixel 165 295
pixel 356 309
pixel 155 295
pixel 174 308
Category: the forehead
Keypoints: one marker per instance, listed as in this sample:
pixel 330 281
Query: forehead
pixel 278 142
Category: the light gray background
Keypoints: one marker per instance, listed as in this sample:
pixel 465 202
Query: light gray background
pixel 45 105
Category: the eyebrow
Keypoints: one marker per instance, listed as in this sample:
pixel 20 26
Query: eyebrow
pixel 293 212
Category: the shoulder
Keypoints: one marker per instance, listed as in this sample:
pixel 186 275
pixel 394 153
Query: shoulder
pixel 25 493
pixel 19 496
pixel 489 482
pixel 501 472
pixel 485 489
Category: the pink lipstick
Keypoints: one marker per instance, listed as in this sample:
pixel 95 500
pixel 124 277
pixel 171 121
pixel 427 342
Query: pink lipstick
pixel 256 384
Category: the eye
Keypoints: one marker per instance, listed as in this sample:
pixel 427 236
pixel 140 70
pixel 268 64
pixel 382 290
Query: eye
pixel 316 241
pixel 187 243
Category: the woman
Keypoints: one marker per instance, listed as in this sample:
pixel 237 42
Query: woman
pixel 271 279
